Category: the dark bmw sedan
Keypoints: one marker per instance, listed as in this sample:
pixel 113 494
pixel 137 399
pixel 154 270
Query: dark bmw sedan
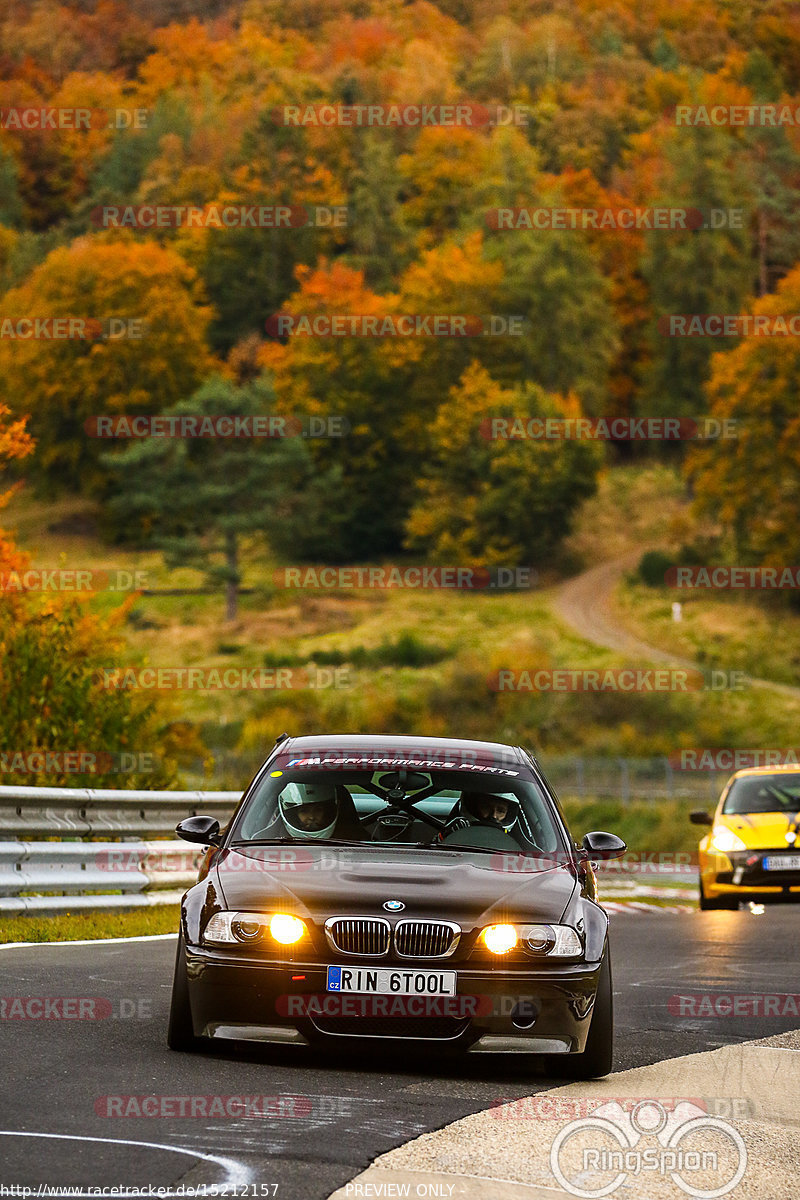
pixel 418 889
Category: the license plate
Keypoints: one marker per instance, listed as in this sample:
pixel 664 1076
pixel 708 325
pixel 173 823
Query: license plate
pixel 382 981
pixel 782 862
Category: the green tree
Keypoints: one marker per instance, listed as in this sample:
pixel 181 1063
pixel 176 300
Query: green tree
pixel 499 500
pixel 194 498
pixel 554 282
pixel 696 271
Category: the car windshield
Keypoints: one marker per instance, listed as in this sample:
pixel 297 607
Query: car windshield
pixel 444 809
pixel 764 794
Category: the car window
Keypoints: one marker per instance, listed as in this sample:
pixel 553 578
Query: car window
pixel 450 809
pixel 763 794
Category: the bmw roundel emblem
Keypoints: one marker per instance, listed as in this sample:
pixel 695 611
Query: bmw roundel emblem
pixel 393 905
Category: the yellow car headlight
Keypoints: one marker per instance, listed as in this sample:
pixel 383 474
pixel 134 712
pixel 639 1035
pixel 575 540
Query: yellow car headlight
pixel 251 928
pixel 725 840
pixel 499 938
pixel 538 941
pixel 286 929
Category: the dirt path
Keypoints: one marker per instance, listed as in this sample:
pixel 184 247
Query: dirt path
pixel 586 603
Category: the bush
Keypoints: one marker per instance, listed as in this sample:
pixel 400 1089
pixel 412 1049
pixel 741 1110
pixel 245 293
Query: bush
pixel 653 567
pixel 406 651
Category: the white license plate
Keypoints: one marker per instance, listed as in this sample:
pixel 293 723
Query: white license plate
pixel 782 862
pixel 387 981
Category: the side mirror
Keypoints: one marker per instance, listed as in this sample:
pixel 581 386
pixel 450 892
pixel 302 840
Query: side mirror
pixel 204 830
pixel 603 845
pixel 699 817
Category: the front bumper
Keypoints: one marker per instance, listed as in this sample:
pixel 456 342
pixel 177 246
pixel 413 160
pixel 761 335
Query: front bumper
pixel 742 873
pixel 539 1011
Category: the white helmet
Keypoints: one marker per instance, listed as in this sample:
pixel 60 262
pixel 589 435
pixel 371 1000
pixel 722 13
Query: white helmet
pixel 316 803
pixel 502 811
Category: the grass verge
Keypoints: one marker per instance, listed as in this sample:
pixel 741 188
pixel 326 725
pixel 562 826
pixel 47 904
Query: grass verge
pixel 75 927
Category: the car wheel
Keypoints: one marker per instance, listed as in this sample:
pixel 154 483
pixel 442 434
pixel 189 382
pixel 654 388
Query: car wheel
pixel 597 1058
pixel 180 1031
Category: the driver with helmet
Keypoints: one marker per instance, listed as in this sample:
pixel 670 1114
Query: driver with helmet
pixel 484 808
pixel 309 810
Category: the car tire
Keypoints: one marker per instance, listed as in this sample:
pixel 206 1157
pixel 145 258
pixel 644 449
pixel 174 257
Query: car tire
pixel 180 1031
pixel 707 904
pixel 597 1059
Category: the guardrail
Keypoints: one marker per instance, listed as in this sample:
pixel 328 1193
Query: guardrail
pixel 80 872
pixel 89 875
pixel 47 812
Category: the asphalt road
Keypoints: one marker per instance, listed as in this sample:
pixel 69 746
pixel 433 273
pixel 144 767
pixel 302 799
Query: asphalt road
pixel 346 1109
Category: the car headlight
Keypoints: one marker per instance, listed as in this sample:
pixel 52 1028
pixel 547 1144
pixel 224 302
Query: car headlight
pixel 499 938
pixel 725 840
pixel 248 928
pixel 539 941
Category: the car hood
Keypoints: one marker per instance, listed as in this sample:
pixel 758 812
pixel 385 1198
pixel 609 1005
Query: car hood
pixel 759 831
pixel 323 881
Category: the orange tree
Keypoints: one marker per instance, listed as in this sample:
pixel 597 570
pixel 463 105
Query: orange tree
pixel 115 368
pixel 749 481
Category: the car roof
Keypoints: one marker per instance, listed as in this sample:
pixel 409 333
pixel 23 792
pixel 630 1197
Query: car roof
pixel 779 769
pixel 377 742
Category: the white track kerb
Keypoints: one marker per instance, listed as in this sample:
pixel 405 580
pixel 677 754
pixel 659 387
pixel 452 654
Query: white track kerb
pixel 749 1093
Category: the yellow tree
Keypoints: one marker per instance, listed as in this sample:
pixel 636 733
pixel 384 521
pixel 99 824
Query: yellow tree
pixel 507 500
pixel 140 349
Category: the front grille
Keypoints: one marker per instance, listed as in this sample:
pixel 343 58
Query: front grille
pixel 425 939
pixel 437 1029
pixel 754 874
pixel 365 936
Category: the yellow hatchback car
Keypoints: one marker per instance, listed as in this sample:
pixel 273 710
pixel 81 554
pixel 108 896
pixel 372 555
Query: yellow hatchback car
pixel 752 851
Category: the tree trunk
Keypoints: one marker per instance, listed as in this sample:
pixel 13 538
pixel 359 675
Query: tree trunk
pixel 232 585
